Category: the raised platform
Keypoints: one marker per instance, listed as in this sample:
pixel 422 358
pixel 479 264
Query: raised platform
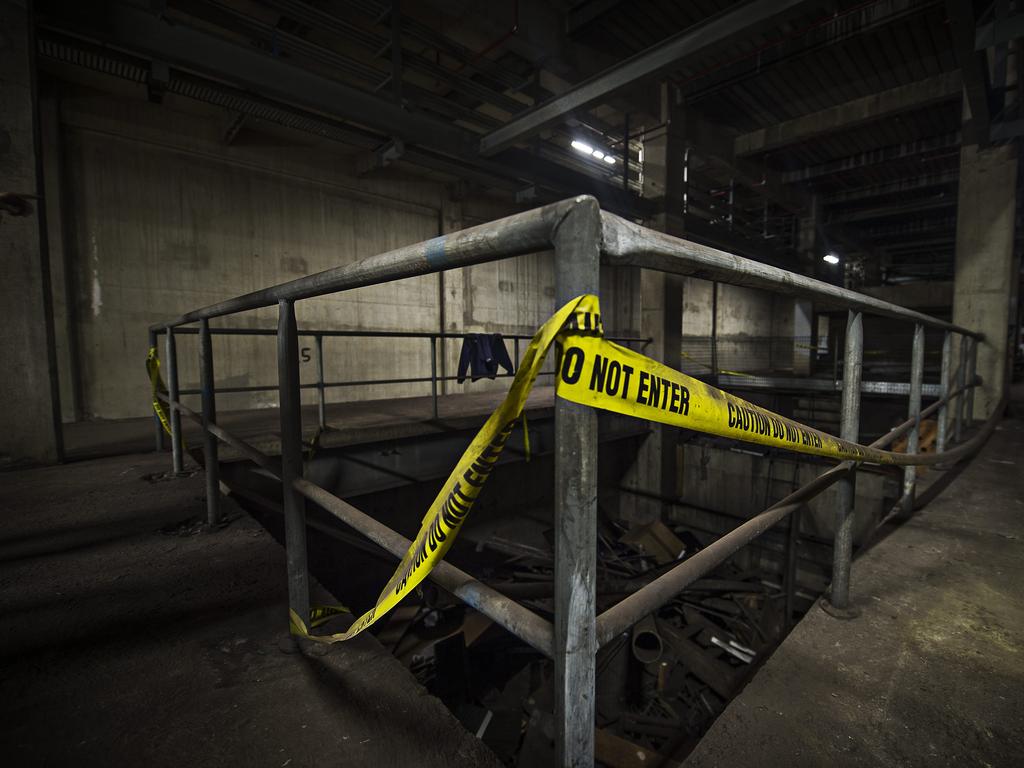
pixel 130 639
pixel 932 671
pixel 350 423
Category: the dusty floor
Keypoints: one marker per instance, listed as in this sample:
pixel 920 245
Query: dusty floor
pixel 352 422
pixel 932 672
pixel 128 639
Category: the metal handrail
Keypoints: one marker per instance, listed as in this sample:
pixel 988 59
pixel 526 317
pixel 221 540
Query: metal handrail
pixel 581 237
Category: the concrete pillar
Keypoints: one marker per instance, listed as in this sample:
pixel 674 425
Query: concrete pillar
pixel 661 308
pixel 29 410
pixel 984 280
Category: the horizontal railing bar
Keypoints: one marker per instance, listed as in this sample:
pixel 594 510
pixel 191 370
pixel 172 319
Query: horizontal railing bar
pixel 650 598
pixel 628 243
pixel 188 329
pixel 928 390
pixel 532 629
pixel 819 385
pixel 516 235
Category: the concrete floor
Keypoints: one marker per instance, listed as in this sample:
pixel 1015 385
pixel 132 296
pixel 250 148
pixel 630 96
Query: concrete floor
pixel 932 672
pixel 129 639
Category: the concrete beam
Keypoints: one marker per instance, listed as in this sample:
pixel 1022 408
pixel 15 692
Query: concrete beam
pixel 902 186
pixel 746 19
pixel 904 98
pixel 874 157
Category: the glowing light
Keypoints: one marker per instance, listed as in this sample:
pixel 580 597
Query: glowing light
pixel 830 258
pixel 598 154
pixel 582 146
pixel 609 159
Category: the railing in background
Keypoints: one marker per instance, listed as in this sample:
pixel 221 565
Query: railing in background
pixel 579 233
pixel 321 385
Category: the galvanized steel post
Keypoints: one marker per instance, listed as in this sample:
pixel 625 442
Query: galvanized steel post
pixel 961 398
pixel 433 374
pixel 577 239
pixel 849 430
pixel 177 463
pixel 321 397
pixel 914 412
pixel 972 366
pixel 208 392
pixel 158 427
pixel 944 387
pixel 291 459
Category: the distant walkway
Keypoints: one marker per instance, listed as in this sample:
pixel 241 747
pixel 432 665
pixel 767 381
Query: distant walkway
pixel 349 423
pixel 932 672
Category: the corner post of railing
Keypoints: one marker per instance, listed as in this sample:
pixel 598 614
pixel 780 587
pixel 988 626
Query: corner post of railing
pixel 577 242
pixel 209 395
pixel 972 368
pixel 914 412
pixel 433 374
pixel 849 430
pixel 944 388
pixel 177 462
pixel 321 397
pixel 158 427
pixel 961 382
pixel 291 459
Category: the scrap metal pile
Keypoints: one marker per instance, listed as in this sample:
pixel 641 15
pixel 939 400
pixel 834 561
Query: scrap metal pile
pixel 659 686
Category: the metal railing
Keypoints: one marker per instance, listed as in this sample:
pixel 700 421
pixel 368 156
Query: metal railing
pixel 321 385
pixel 580 236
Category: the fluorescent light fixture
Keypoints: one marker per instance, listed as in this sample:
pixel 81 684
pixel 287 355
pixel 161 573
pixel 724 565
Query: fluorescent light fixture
pixel 598 154
pixel 830 258
pixel 609 159
pixel 582 146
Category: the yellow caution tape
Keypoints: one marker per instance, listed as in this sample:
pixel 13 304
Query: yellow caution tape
pixel 157 386
pixel 603 375
pixel 592 372
pixel 446 514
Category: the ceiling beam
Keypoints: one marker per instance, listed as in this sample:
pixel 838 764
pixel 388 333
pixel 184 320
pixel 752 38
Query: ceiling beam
pixel 874 157
pixel 429 142
pixel 747 19
pixel 900 187
pixel 903 98
pixel 891 211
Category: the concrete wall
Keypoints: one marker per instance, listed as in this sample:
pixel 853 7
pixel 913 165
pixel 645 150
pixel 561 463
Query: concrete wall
pixel 27 423
pixel 162 217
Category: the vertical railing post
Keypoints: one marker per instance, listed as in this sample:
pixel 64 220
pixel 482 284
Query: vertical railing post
pixel 433 373
pixel 177 462
pixel 972 366
pixel 714 331
pixel 849 430
pixel 209 395
pixel 158 427
pixel 914 412
pixel 577 271
pixel 961 381
pixel 321 395
pixel 291 460
pixel 944 387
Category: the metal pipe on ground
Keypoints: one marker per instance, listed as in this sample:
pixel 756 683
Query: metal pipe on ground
pixel 646 644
